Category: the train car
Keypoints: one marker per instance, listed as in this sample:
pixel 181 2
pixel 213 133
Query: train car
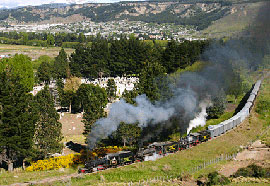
pixel 142 153
pixel 95 164
pixel 213 130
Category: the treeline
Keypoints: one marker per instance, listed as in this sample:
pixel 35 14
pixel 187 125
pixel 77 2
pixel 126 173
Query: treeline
pixel 127 57
pixel 44 39
pixel 29 126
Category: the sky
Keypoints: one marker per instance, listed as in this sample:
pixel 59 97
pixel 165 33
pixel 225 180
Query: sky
pixel 16 3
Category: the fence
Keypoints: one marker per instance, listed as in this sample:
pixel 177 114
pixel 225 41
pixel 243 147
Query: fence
pixel 144 182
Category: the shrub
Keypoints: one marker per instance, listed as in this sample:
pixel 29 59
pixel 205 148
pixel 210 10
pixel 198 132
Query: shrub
pixel 216 179
pixel 55 163
pixel 251 171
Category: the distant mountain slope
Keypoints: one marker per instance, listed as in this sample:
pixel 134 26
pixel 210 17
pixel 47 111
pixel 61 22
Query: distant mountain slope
pixel 241 17
pixel 198 13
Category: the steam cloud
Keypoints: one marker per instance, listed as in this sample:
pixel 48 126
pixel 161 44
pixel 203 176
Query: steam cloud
pixel 200 119
pixel 191 89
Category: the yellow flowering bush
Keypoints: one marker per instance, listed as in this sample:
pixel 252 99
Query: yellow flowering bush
pixel 55 163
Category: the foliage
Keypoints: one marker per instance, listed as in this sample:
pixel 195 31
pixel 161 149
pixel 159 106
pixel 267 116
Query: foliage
pixel 125 57
pixel 216 179
pixel 218 106
pixel 50 40
pixel 61 66
pixel 128 133
pixel 129 96
pixel 36 63
pixel 147 84
pixel 71 86
pixel 20 66
pixel 111 89
pixel 17 120
pixel 44 72
pixel 93 100
pixel 55 163
pixel 47 128
pixel 252 171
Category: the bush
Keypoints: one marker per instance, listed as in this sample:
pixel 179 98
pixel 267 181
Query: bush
pixel 251 171
pixel 55 163
pixel 216 179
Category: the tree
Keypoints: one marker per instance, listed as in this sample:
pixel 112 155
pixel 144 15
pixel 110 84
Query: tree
pixel 48 135
pixel 81 38
pixel 21 67
pixel 129 133
pixel 70 88
pixel 129 96
pixel 93 100
pixel 147 84
pixel 50 40
pixel 17 120
pixel 44 72
pixel 218 106
pixel 61 66
pixel 111 89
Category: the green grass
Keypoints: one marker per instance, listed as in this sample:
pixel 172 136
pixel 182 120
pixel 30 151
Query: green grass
pixel 20 176
pixel 233 23
pixel 32 51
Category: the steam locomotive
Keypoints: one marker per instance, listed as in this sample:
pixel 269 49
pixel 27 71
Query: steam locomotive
pixel 160 149
pixel 113 160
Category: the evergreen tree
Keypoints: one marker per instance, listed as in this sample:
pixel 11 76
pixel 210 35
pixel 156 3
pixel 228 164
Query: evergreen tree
pixel 128 133
pixel 147 84
pixel 93 100
pixel 61 66
pixel 48 129
pixel 44 72
pixel 17 120
pixel 129 96
pixel 111 90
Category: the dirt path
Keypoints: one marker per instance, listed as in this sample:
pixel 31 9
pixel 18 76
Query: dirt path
pixel 257 153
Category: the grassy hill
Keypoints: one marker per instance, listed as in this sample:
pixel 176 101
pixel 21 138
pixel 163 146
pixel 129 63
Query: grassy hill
pixel 241 17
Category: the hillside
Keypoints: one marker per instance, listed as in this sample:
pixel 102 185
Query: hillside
pixel 190 12
pixel 242 16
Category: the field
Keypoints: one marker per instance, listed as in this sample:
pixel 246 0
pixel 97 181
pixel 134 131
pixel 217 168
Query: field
pixel 31 51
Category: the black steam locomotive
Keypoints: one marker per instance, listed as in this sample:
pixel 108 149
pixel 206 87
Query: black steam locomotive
pixel 113 160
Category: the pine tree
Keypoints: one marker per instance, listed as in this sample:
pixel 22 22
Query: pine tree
pixel 17 120
pixel 93 101
pixel 111 89
pixel 61 65
pixel 48 129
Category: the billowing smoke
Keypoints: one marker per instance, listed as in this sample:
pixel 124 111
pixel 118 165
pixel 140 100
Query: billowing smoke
pixel 200 119
pixel 190 90
pixel 144 113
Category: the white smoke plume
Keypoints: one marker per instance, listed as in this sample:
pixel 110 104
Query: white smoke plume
pixel 200 119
